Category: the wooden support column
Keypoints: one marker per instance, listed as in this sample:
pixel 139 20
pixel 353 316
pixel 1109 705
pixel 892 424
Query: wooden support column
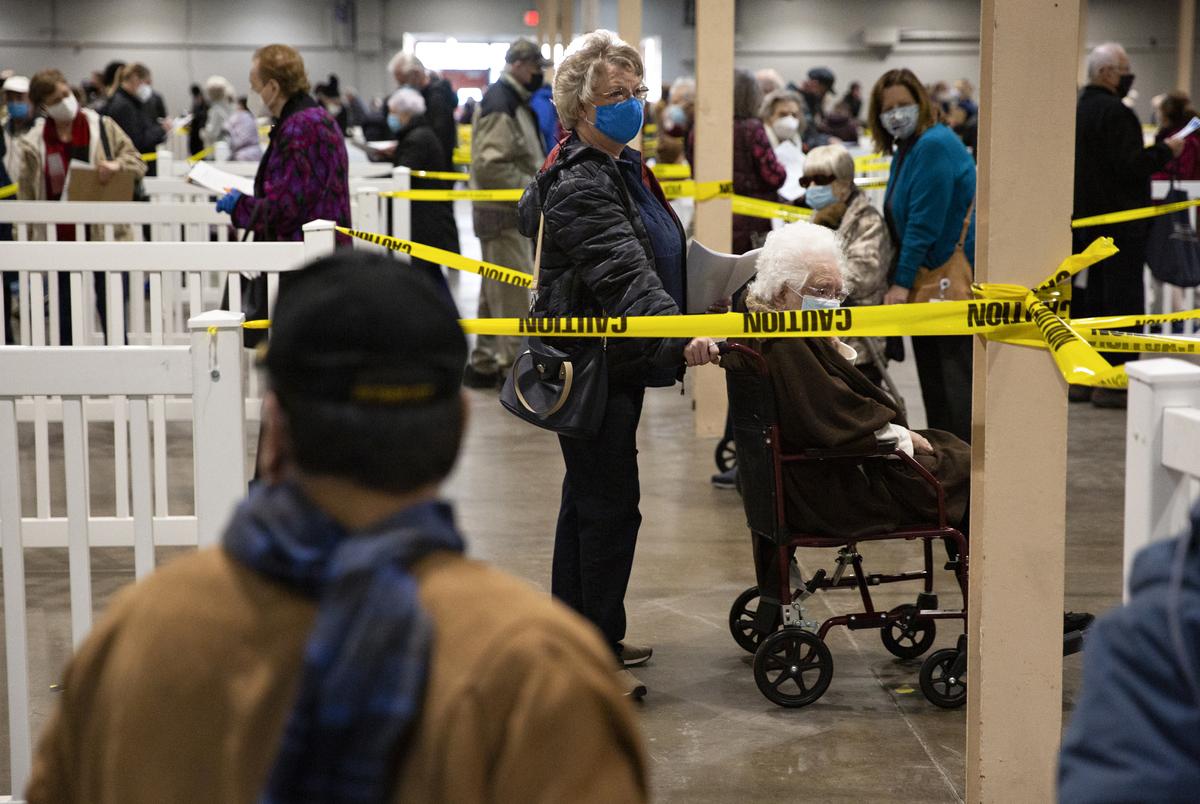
pixel 1187 45
pixel 545 27
pixel 714 162
pixel 629 21
pixel 566 22
pixel 590 13
pixel 1019 433
pixel 1083 49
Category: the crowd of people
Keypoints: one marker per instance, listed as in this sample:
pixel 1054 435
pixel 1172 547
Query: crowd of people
pixel 364 419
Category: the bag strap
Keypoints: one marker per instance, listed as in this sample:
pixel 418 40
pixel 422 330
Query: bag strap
pixel 962 236
pixel 104 141
pixel 537 261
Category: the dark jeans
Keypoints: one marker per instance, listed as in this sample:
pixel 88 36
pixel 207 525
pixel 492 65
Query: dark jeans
pixel 944 367
pixel 437 278
pixel 599 518
pixel 1114 285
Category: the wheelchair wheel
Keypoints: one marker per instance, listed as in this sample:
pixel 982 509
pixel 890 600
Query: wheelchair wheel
pixel 793 667
pixel 725 455
pixel 938 681
pixel 909 637
pixel 742 614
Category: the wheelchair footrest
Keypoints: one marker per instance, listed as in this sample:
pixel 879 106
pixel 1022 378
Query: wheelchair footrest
pixel 862 620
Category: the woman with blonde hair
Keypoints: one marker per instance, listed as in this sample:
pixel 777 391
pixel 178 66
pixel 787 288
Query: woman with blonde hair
pixel 611 246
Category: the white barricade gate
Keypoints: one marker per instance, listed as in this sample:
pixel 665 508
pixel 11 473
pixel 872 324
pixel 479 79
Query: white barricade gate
pixel 1161 297
pixel 168 222
pixel 44 266
pixel 210 372
pixel 1162 451
pixel 172 165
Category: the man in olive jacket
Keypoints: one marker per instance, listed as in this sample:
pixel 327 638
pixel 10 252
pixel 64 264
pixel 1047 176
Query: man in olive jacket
pixel 1112 173
pixel 506 153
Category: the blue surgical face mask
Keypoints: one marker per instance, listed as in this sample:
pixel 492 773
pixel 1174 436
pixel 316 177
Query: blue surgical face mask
pixel 819 196
pixel 901 122
pixel 817 303
pixel 18 110
pixel 620 122
pixel 394 123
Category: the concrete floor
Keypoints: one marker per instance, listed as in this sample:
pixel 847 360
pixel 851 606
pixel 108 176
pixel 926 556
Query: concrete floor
pixel 711 735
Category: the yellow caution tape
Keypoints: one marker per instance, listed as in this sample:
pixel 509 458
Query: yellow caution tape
pixel 865 161
pixel 201 154
pixel 1133 214
pixel 870 184
pixel 462 156
pixel 700 190
pixel 672 171
pixel 149 157
pixel 440 175
pixel 1004 313
pixel 8 190
pixel 757 208
pixel 509 276
pixel 455 195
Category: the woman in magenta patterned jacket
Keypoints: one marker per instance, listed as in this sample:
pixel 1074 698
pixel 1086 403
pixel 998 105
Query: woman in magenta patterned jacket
pixel 303 175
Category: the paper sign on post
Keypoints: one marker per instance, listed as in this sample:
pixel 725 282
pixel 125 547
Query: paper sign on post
pixel 210 178
pixel 713 276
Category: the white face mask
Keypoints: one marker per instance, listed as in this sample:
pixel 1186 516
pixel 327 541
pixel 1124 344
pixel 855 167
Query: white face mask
pixel 145 92
pixel 786 127
pixel 818 303
pixel 65 110
pixel 901 122
pixel 256 104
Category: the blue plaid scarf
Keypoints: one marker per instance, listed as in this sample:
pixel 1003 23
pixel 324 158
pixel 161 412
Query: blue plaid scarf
pixel 366 660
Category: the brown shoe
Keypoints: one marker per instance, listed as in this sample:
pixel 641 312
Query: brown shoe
pixel 631 685
pixel 1079 393
pixel 1110 398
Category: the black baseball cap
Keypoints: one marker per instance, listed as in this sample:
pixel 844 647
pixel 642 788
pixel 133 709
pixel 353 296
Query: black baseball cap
pixel 525 50
pixel 363 330
pixel 822 75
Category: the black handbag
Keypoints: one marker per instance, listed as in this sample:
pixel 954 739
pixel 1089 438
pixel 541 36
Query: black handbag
pixel 1172 250
pixel 565 391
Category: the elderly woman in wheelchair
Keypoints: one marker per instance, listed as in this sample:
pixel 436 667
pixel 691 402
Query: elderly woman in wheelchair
pixel 827 460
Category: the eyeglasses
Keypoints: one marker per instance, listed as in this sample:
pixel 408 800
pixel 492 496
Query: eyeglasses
pixel 805 181
pixel 825 292
pixel 622 94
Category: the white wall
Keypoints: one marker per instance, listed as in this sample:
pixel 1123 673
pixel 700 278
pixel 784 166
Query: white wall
pixel 187 40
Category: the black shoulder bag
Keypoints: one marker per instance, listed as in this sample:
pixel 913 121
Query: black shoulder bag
pixel 565 391
pixel 1172 250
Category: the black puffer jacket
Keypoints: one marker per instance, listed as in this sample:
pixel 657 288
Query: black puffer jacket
pixel 597 259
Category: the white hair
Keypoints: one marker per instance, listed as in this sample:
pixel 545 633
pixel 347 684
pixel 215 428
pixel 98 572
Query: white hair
pixel 583 68
pixel 831 160
pixel 683 90
pixel 789 256
pixel 769 80
pixel 406 100
pixel 217 87
pixel 404 62
pixel 1106 55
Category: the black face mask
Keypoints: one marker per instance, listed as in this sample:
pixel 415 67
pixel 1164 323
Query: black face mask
pixel 535 82
pixel 1123 84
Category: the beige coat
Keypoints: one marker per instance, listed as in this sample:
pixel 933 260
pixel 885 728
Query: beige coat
pixel 31 150
pixel 181 693
pixel 863 235
pixel 506 152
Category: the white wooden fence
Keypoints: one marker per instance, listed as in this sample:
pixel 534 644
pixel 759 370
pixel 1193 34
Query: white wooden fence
pixel 1162 451
pixel 210 372
pixel 156 318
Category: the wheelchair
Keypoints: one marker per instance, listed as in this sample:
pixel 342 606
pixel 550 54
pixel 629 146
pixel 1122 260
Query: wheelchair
pixel 792 664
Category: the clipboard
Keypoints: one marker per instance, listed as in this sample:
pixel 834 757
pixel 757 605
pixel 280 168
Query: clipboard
pixel 83 184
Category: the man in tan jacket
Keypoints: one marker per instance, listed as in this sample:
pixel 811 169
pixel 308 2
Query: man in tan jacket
pixel 338 646
pixel 506 154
